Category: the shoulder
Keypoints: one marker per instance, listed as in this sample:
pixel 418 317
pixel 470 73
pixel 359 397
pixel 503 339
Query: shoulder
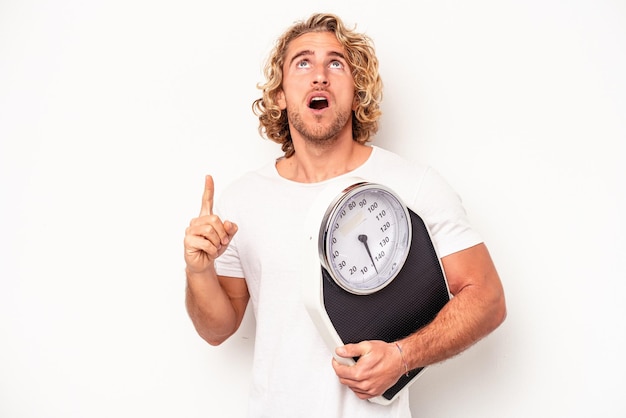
pixel 241 190
pixel 428 194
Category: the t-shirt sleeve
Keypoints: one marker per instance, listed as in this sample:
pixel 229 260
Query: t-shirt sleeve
pixel 442 210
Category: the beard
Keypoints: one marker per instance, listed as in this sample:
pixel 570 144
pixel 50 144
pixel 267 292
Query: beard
pixel 316 133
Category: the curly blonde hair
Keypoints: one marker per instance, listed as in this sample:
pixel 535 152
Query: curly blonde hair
pixel 361 57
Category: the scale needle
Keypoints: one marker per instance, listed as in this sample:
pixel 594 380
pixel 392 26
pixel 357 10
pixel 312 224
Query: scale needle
pixel 363 239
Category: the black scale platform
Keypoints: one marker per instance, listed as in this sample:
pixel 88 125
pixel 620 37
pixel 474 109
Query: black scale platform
pixel 409 302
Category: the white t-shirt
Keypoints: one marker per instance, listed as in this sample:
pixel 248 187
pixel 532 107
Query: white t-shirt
pixel 292 374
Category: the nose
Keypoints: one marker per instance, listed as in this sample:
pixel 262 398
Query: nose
pixel 320 78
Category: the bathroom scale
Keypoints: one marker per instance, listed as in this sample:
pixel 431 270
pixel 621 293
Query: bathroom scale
pixel 371 271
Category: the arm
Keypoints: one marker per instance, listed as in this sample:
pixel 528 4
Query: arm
pixel 215 304
pixel 477 308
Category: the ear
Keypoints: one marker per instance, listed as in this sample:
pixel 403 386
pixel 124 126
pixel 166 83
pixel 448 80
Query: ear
pixel 280 99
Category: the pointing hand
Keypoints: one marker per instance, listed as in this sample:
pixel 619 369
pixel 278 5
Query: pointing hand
pixel 207 237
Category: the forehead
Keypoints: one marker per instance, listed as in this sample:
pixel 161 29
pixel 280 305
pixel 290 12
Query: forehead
pixel 314 42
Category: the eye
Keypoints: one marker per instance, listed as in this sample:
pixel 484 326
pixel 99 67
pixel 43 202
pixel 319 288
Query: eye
pixel 303 64
pixel 336 64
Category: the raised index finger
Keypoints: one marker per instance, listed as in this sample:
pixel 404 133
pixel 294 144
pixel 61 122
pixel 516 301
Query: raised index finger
pixel 207 196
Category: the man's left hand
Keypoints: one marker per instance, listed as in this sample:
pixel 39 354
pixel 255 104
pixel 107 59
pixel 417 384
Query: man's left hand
pixel 379 367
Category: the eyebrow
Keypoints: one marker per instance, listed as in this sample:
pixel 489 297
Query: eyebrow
pixel 307 52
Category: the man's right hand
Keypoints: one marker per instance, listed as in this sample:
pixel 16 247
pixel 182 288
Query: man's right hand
pixel 207 237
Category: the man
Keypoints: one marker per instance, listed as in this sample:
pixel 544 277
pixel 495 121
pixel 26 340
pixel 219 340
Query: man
pixel 321 103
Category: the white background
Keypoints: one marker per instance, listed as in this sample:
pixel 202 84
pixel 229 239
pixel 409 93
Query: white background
pixel 112 112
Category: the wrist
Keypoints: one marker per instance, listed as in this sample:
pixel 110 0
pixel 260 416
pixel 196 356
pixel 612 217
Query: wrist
pixel 208 270
pixel 405 365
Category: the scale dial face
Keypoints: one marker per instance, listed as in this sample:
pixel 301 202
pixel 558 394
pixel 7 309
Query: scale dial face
pixel 365 238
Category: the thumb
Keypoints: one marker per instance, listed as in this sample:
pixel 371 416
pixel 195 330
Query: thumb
pixel 231 228
pixel 352 350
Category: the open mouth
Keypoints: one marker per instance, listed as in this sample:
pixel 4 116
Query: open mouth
pixel 318 103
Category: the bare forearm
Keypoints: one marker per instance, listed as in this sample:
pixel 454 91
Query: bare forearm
pixel 215 304
pixel 209 307
pixel 466 319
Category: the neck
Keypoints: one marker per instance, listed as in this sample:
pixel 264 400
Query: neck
pixel 314 163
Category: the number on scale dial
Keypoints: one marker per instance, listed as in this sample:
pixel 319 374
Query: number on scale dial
pixel 365 238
